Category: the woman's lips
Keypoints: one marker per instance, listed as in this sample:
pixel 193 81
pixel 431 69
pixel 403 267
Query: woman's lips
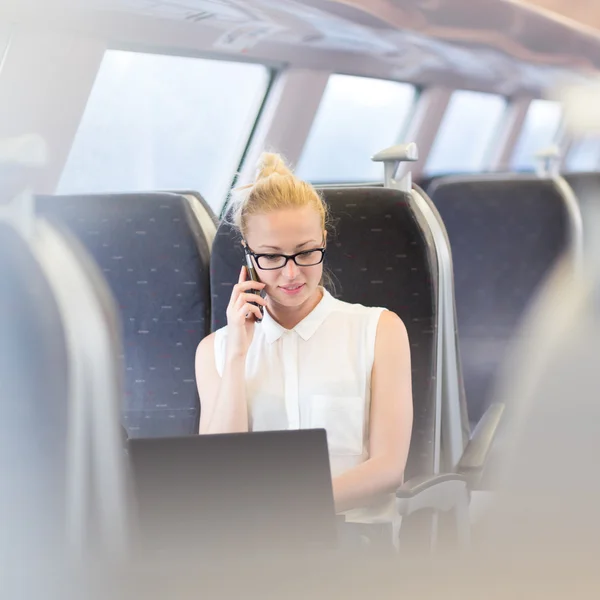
pixel 292 290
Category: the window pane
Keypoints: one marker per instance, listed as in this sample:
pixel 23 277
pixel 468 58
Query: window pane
pixel 466 133
pixel 539 131
pixel 358 117
pixel 165 122
pixel 584 155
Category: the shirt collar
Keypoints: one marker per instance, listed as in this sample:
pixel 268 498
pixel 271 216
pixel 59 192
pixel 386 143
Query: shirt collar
pixel 307 327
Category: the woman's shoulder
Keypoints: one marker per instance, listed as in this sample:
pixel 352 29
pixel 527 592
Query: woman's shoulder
pixel 391 331
pixel 221 332
pixel 210 344
pixel 390 319
pixel 216 340
pixel 211 349
pixel 357 309
pixel 378 317
pixel 206 344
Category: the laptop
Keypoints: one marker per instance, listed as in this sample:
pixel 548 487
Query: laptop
pixel 220 495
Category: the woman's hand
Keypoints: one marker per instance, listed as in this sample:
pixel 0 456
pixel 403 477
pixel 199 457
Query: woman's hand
pixel 242 313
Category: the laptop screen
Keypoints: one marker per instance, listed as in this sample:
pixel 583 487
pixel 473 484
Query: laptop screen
pixel 215 495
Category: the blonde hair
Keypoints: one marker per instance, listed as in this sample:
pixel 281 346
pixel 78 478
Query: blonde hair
pixel 275 187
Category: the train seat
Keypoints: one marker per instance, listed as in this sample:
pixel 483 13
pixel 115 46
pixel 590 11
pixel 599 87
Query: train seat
pixel 154 252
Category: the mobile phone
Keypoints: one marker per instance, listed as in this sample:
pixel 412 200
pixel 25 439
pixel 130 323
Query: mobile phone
pixel 254 276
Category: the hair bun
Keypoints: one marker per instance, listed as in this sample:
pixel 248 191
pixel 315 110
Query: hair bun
pixel 270 163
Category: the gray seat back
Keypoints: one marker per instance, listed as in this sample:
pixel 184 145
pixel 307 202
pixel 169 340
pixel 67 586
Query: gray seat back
pixel 63 490
pixel 154 251
pixel 34 388
pixel 506 234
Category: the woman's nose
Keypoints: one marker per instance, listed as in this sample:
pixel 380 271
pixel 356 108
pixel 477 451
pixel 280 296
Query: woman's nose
pixel 291 269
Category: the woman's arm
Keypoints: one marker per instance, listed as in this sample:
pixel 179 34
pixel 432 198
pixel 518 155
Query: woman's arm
pixel 390 420
pixel 223 400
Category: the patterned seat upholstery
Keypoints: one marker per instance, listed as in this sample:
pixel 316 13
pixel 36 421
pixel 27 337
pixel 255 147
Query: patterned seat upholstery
pixel 505 234
pixel 155 256
pixel 378 255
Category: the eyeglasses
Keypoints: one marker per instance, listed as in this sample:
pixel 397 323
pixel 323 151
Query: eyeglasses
pixel 270 262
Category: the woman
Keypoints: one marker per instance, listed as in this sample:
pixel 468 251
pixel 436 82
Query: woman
pixel 308 360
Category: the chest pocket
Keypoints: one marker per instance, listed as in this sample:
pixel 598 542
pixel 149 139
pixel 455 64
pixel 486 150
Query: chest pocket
pixel 343 419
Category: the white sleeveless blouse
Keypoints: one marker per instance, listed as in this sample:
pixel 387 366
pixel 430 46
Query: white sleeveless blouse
pixel 317 375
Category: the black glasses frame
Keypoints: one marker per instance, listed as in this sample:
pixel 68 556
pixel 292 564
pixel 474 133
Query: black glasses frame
pixel 287 257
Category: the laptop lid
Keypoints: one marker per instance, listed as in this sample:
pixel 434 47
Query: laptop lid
pixel 267 492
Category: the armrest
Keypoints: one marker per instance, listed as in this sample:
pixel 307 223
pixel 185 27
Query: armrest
pixel 475 455
pixel 438 492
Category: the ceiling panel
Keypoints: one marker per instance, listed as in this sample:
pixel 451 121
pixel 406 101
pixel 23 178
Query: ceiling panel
pixel 505 44
pixel 584 12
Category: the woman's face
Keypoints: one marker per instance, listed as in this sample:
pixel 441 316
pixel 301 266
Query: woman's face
pixel 287 231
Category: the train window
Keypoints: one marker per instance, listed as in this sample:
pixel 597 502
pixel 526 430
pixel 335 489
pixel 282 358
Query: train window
pixel 539 131
pixel 165 122
pixel 357 117
pixel 584 155
pixel 466 133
